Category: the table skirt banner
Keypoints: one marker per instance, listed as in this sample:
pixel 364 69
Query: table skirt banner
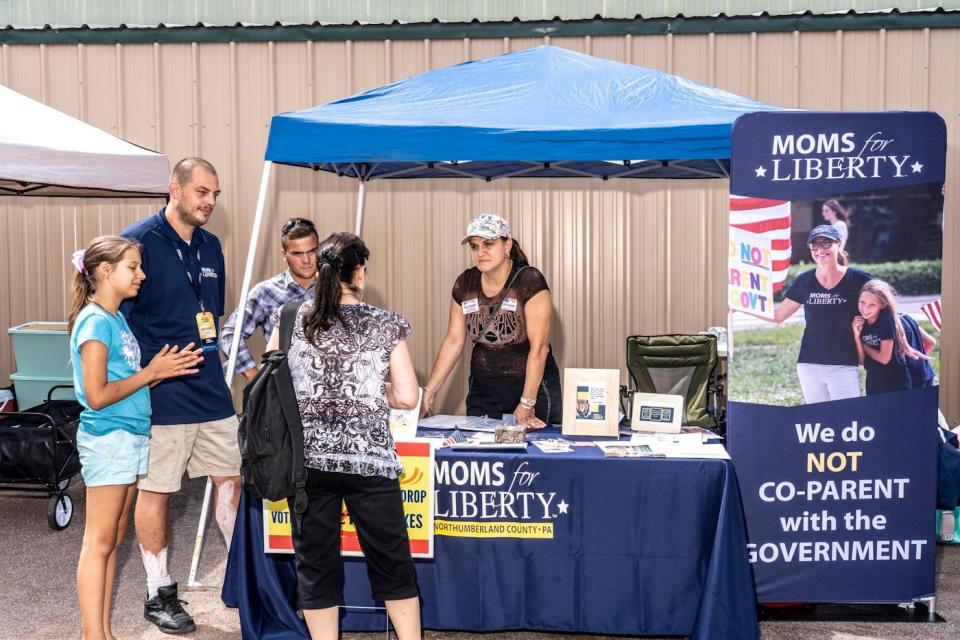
pixel 416 488
pixel 839 497
pixel 564 542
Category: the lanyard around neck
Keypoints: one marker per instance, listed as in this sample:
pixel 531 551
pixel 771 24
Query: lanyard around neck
pixel 186 269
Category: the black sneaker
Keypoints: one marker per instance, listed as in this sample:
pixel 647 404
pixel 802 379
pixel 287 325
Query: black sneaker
pixel 164 610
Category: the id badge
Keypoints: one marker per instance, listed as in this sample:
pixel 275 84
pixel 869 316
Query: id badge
pixel 509 304
pixel 207 329
pixel 470 306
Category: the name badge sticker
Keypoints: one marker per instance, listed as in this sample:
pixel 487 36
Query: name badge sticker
pixel 207 329
pixel 509 304
pixel 470 306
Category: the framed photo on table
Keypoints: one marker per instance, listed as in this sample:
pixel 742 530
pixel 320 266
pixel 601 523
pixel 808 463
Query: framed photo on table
pixel 657 412
pixel 591 402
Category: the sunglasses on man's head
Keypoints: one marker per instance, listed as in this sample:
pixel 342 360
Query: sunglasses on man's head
pixel 296 222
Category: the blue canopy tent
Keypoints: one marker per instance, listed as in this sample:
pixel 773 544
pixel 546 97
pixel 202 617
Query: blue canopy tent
pixel 541 112
pixel 544 112
pixel 536 113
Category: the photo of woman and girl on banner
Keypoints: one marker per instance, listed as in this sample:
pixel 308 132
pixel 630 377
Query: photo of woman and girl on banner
pixel 849 272
pixel 836 230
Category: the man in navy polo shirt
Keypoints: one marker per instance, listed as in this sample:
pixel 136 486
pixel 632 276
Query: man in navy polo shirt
pixel 194 424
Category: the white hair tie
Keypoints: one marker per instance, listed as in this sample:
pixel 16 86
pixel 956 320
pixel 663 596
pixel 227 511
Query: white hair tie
pixel 77 260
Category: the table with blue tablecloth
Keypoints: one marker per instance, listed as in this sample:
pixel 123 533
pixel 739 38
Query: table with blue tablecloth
pixel 570 542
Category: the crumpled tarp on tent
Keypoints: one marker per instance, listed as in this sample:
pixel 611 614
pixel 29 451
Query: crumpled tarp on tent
pixel 44 152
pixel 540 112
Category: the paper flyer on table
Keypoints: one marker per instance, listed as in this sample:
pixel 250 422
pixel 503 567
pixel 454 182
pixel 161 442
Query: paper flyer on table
pixel 464 423
pixel 592 400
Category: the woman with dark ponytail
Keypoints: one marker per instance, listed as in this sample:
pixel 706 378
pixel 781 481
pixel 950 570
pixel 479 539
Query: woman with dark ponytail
pixel 341 354
pixel 503 304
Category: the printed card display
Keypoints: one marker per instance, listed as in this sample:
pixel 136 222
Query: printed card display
pixel 657 412
pixel 591 402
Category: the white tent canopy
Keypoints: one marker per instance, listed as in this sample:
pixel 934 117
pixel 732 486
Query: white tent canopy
pixel 44 152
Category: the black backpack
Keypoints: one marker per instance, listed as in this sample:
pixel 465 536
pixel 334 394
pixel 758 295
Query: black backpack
pixel 271 433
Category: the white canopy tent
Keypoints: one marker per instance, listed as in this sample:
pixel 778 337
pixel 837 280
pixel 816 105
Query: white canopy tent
pixel 44 152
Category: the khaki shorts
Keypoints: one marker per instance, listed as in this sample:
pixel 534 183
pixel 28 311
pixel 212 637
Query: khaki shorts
pixel 200 449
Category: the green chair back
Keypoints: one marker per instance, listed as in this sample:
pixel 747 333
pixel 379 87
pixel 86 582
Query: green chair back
pixel 676 364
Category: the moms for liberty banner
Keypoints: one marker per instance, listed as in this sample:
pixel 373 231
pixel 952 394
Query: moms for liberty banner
pixel 839 498
pixel 836 229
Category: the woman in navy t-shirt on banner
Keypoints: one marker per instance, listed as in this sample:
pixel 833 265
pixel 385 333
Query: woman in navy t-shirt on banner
pixel 827 365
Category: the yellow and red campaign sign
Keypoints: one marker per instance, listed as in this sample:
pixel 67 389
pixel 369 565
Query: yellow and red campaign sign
pixel 416 487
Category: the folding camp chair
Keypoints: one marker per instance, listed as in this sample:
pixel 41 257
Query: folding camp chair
pixel 679 364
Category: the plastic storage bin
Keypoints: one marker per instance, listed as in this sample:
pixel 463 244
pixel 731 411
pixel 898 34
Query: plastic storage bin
pixel 33 390
pixel 42 349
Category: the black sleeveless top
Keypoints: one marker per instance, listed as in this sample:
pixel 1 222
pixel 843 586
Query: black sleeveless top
pixel 498 328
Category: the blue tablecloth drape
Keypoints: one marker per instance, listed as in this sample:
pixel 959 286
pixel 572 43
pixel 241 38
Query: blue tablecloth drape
pixel 640 547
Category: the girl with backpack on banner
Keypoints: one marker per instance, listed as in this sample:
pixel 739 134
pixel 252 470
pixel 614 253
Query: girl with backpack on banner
pixel 921 371
pixel 340 354
pixel 114 432
pixel 881 342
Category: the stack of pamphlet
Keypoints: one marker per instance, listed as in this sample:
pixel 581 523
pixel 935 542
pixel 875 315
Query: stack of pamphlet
pixel 681 445
pixel 627 450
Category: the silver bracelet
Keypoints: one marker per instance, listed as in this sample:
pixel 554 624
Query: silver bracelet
pixel 528 403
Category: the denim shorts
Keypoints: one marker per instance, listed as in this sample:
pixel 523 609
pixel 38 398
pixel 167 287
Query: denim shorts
pixel 117 457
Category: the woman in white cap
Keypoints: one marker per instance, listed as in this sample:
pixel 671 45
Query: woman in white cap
pixel 504 306
pixel 827 366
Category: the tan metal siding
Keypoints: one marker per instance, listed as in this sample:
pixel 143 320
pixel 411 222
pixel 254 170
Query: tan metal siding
pixel 229 12
pixel 622 257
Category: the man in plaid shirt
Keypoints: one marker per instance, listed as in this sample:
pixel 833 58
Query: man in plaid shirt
pixel 299 242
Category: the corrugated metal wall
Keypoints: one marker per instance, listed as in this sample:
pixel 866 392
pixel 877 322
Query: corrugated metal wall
pixel 228 12
pixel 622 257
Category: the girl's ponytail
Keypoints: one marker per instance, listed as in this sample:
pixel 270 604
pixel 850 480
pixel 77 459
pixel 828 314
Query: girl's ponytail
pixel 82 292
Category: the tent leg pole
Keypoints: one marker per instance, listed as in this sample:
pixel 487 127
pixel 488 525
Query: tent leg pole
pixel 198 542
pixel 361 198
pixel 248 271
pixel 232 360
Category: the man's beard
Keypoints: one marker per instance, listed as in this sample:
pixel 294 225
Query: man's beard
pixel 185 216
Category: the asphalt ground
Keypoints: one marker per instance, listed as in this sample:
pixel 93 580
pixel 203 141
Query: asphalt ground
pixel 38 596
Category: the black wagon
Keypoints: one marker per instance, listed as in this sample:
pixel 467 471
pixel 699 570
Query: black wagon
pixel 38 452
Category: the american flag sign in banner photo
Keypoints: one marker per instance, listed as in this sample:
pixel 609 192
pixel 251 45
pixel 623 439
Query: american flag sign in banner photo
pixel 771 220
pixel 934 312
